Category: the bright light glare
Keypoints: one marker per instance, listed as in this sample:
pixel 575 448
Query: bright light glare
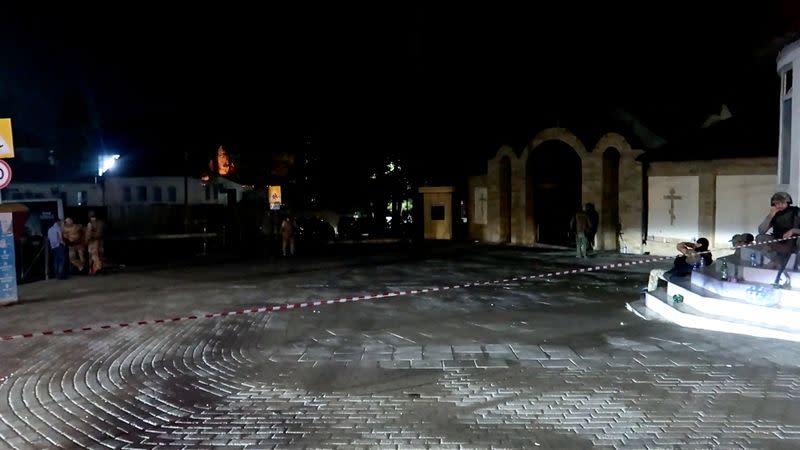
pixel 107 162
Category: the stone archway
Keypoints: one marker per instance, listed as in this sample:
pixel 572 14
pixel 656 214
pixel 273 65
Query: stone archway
pixel 609 204
pixel 554 172
pixel 511 192
pixel 505 199
pixel 621 202
pixel 500 226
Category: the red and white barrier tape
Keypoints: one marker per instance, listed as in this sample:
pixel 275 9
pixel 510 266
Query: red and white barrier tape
pixel 289 306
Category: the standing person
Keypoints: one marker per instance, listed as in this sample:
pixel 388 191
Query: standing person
pixel 287 235
pixel 57 248
pixel 594 222
pixel 76 243
pixel 95 231
pixel 580 222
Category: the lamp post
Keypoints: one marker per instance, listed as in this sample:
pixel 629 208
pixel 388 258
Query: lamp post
pixel 186 191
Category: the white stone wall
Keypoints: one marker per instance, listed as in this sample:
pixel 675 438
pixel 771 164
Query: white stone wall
pixel 673 208
pixel 742 203
pixel 744 170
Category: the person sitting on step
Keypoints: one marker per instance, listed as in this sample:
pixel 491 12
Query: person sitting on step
pixel 784 220
pixel 692 255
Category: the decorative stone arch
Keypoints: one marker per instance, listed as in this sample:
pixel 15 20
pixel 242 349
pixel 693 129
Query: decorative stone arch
pixel 501 196
pixel 555 134
pixel 526 182
pixel 617 141
pixel 504 151
pixel 620 200
pixel 512 220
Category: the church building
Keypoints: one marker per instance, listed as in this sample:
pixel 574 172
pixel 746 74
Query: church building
pixel 714 182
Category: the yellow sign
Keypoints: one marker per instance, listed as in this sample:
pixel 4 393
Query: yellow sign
pixel 274 195
pixel 6 139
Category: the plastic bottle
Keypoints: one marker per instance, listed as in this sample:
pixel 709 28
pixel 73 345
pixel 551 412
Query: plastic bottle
pixel 723 275
pixel 699 264
pixel 753 260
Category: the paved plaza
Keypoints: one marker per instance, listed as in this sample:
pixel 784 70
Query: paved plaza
pixel 550 363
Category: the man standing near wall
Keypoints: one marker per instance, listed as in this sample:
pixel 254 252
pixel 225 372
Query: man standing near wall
pixel 56 241
pixel 287 235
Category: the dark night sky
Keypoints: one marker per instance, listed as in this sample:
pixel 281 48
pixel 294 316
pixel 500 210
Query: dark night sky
pixel 433 81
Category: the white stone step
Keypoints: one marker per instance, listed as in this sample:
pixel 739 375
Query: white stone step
pixel 767 276
pixel 687 316
pixel 639 307
pixel 768 315
pixel 748 291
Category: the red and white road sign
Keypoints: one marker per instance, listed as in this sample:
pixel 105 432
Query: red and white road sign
pixel 5 174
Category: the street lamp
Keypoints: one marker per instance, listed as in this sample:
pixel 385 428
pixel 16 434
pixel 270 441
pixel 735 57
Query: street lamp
pixel 106 163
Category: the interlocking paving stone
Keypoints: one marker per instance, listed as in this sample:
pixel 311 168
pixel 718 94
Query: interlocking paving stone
pixel 236 382
pixel 529 352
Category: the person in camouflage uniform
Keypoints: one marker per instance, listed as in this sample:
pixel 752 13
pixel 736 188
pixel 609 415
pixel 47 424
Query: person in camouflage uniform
pixel 95 231
pixel 76 243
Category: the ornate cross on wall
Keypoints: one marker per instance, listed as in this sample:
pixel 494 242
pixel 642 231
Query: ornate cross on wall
pixel 672 197
pixel 480 206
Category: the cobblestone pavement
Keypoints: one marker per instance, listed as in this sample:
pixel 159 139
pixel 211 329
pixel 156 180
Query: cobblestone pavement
pixel 552 363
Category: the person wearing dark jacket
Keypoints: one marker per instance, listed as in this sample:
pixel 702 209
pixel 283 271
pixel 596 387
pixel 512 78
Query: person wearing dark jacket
pixel 692 255
pixel 784 221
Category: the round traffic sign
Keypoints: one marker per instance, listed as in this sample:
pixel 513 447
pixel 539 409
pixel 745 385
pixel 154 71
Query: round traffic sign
pixel 5 174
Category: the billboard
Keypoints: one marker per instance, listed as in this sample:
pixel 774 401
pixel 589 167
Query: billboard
pixel 274 197
pixel 6 139
pixel 8 263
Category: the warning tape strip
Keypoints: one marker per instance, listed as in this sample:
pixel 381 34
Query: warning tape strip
pixel 299 305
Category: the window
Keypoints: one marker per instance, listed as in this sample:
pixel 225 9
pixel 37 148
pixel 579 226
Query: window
pixel 172 194
pixel 141 193
pixel 437 212
pixel 83 198
pixel 157 194
pixel 126 194
pixel 786 140
pixel 208 192
pixel 787 81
